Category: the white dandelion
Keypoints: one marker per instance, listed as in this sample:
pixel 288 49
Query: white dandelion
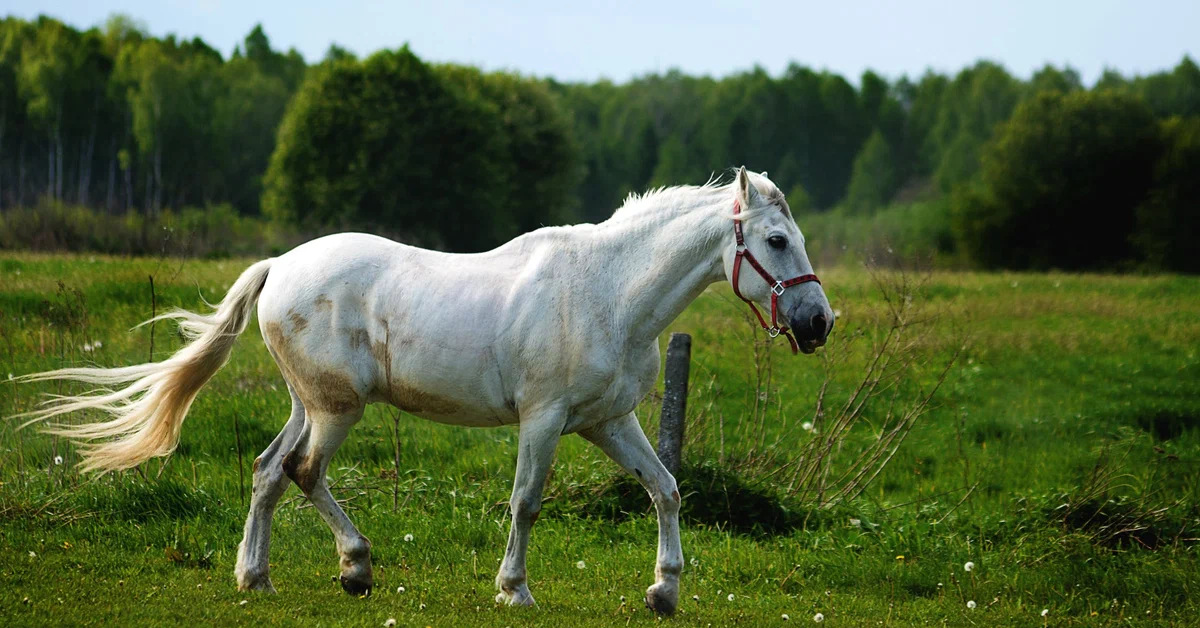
pixel 622 599
pixel 695 598
pixel 968 566
pixel 58 460
pixel 1045 611
pixel 970 603
pixel 784 617
pixel 581 565
pixel 32 554
pixel 807 426
pixel 730 597
pixel 243 602
pixel 87 348
pixel 408 538
pixel 421 607
pixel 400 589
pixel 391 621
pixel 818 618
pixel 695 563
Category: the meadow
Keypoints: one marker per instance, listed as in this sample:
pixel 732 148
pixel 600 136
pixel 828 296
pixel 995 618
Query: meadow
pixel 1060 458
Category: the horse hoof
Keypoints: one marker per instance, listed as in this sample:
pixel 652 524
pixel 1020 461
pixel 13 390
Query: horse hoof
pixel 261 582
pixel 264 586
pixel 517 598
pixel 662 599
pixel 356 587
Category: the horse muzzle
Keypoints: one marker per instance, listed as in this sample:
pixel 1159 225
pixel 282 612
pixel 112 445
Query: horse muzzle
pixel 811 326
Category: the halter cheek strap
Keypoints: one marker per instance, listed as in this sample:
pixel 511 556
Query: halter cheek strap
pixel 777 287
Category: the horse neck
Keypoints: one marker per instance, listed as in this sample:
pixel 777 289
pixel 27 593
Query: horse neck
pixel 669 255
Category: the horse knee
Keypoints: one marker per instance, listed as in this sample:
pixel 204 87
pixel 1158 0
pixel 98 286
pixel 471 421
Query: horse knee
pixel 525 509
pixel 667 497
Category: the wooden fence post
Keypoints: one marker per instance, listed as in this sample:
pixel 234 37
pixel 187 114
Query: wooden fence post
pixel 674 407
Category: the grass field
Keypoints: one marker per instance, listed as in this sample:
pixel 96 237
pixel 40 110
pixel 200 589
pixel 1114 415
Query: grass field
pixel 1060 457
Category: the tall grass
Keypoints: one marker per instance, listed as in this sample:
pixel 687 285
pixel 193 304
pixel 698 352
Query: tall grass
pixel 899 235
pixel 210 232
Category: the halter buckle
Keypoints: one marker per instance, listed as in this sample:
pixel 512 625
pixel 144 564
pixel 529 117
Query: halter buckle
pixel 777 289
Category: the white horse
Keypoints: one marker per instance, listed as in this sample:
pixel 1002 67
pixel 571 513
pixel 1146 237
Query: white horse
pixel 555 331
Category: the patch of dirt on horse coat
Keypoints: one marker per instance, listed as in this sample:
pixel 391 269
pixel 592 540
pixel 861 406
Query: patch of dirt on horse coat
pixel 319 389
pixel 302 470
pixel 298 321
pixel 417 401
pixel 358 338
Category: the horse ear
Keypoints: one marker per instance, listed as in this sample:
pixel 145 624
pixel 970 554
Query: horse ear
pixel 748 193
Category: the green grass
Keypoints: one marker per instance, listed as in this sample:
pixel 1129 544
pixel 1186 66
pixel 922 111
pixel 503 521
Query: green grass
pixel 1063 374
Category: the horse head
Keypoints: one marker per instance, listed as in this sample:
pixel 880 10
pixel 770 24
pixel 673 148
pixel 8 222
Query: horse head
pixel 766 263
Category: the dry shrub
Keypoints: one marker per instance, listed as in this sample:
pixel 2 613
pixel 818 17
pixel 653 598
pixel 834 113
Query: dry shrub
pixel 824 460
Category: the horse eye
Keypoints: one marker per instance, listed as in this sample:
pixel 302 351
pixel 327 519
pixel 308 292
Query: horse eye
pixel 777 242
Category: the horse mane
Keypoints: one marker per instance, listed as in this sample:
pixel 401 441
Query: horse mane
pixel 677 197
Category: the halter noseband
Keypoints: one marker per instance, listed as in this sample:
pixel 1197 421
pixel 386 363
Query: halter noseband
pixel 777 287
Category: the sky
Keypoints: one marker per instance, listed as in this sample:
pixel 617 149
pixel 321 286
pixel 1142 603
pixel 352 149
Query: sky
pixel 618 40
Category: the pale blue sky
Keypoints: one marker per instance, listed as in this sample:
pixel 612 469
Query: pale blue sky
pixel 574 41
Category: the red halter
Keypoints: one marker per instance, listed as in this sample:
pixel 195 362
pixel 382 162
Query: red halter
pixel 777 287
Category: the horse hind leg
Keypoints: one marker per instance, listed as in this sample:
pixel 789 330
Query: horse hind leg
pixel 306 465
pixel 270 483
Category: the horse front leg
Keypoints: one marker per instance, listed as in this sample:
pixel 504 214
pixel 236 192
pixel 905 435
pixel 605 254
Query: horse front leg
pixel 624 441
pixel 537 441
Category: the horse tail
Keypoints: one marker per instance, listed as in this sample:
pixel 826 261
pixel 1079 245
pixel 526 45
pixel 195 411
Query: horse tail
pixel 147 414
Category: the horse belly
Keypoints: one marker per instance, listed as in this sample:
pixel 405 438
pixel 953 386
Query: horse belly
pixel 469 398
pixel 457 411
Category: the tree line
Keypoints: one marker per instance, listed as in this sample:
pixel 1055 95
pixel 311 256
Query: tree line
pixel 116 120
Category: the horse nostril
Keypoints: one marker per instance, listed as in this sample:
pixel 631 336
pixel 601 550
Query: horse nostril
pixel 820 325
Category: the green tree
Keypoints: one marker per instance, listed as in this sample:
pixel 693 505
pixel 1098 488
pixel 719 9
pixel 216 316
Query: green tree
pixel 1060 183
pixel 1174 93
pixel 874 177
pixel 1169 219
pixel 171 93
pixel 389 143
pixel 540 170
pixel 288 67
pixel 13 112
pixel 1051 79
pixel 49 65
pixel 246 119
pixel 971 106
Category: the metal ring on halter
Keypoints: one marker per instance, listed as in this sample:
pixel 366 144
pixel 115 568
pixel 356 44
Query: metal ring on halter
pixel 773 331
pixel 777 289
